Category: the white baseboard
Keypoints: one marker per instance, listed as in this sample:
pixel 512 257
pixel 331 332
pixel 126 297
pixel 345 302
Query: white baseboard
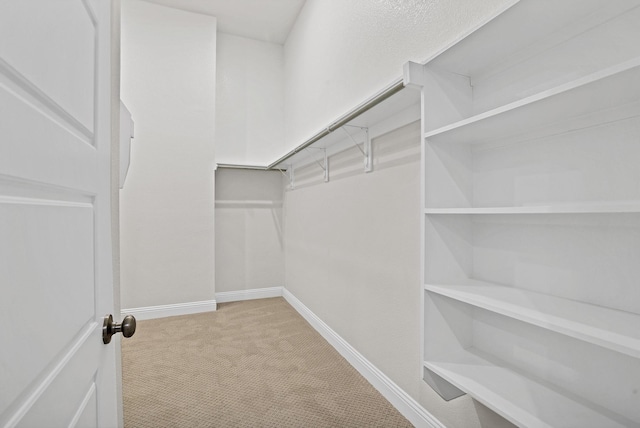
pixel 162 311
pixel 256 293
pixel 407 406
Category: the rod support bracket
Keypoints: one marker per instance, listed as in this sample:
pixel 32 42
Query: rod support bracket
pixel 366 146
pixel 368 158
pixel 289 175
pixel 325 162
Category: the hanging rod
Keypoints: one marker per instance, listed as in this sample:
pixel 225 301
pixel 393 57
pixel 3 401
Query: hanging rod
pixel 393 89
pixel 242 166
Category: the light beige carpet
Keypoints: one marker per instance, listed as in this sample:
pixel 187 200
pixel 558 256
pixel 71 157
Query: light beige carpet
pixel 250 364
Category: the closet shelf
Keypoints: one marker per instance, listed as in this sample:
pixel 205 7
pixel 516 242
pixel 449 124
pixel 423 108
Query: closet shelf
pixel 531 30
pixel 588 101
pixel 392 107
pixel 528 167
pixel 519 398
pixel 609 328
pixel 606 207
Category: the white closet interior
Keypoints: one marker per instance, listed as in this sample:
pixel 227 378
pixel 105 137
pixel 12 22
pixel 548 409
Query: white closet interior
pixel 531 222
pixel 531 209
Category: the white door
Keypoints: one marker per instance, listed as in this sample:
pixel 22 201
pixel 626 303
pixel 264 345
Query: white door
pixel 55 249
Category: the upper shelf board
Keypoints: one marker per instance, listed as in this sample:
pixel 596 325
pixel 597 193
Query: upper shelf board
pixel 402 101
pixel 533 26
pixel 567 107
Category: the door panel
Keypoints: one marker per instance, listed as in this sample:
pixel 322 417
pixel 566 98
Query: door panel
pixel 71 379
pixel 37 135
pixel 87 411
pixel 61 239
pixel 55 237
pixel 53 45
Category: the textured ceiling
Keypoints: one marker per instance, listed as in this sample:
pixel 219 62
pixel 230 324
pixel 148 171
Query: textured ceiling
pixel 268 20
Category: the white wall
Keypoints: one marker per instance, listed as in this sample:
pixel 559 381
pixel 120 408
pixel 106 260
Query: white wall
pixel 167 205
pixel 249 240
pixel 340 52
pixel 352 252
pixel 250 101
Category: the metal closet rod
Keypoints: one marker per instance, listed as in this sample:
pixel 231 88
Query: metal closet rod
pixel 389 91
pixel 240 166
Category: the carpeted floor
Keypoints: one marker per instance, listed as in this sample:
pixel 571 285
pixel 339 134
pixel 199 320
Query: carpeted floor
pixel 250 364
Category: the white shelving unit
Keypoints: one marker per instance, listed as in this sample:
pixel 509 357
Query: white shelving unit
pixel 531 214
pixel 609 328
pixel 519 398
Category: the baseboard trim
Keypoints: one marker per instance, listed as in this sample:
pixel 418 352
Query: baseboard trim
pixel 406 405
pixel 256 293
pixel 162 311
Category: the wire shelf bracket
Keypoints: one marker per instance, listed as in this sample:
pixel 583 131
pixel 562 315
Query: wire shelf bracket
pixel 289 175
pixel 366 145
pixel 324 164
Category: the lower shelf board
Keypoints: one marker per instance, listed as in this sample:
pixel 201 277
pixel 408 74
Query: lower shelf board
pixel 604 207
pixel 524 401
pixel 610 328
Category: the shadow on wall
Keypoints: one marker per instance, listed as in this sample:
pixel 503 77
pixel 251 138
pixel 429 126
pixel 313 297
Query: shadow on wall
pixel 396 148
pixel 248 187
pixel 249 229
pixel 246 190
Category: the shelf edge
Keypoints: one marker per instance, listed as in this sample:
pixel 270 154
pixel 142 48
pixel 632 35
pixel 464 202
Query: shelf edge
pixel 574 329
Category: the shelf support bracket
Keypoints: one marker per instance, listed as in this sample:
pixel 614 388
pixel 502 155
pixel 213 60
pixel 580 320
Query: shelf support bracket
pixel 445 389
pixel 289 175
pixel 325 164
pixel 366 149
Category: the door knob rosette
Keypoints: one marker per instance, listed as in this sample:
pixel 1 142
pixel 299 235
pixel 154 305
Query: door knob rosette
pixel 127 327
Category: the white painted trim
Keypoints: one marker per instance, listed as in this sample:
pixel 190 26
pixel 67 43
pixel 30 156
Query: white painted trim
pixel 410 408
pixel 41 386
pixel 162 311
pixel 256 293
